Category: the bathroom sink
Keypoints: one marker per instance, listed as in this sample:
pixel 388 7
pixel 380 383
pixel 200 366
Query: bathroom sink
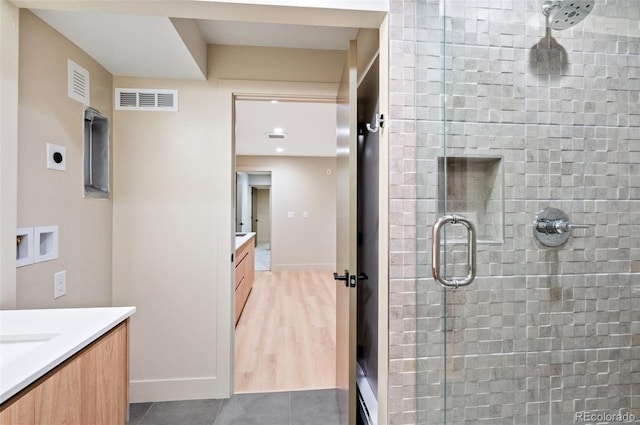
pixel 13 346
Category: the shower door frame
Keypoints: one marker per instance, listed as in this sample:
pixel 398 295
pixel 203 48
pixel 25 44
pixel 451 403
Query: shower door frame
pixel 544 320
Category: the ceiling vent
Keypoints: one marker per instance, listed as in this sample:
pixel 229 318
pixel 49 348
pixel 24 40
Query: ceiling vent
pixel 276 136
pixel 78 82
pixel 146 100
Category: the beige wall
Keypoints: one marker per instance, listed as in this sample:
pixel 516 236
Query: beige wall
pixel 165 241
pixel 173 216
pixel 298 185
pixel 9 24
pixel 47 197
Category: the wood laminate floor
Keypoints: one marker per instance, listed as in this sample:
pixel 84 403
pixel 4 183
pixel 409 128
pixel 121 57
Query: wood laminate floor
pixel 285 338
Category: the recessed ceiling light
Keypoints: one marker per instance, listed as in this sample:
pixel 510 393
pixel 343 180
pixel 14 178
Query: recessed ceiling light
pixel 279 150
pixel 278 130
pixel 274 101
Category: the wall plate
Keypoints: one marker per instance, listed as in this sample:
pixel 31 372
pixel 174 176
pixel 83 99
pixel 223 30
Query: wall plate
pixel 24 246
pixel 45 245
pixel 56 157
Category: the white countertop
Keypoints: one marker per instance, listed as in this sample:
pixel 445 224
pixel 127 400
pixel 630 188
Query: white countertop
pixel 33 342
pixel 242 239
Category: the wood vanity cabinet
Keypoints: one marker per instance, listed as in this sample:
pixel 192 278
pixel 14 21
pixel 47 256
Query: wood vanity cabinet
pixel 92 387
pixel 245 273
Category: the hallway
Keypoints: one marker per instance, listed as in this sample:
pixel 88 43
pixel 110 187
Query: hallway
pixel 285 338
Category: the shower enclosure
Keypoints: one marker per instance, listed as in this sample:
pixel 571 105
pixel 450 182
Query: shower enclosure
pixel 512 117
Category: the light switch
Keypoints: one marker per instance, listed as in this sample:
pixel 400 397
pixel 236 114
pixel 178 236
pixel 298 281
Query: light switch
pixel 305 214
pixel 59 284
pixel 291 214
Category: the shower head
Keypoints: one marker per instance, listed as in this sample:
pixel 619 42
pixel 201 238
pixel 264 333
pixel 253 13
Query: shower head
pixel 564 14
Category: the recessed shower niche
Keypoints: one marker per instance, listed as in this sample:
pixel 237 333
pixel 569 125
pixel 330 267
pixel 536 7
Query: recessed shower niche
pixel 474 189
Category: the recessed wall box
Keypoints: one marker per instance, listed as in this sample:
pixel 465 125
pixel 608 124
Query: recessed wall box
pixel 56 157
pixel 45 243
pixel 96 154
pixel 24 246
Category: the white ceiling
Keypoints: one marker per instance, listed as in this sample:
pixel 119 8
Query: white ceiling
pixel 126 45
pixel 309 128
pixel 150 47
pixel 138 39
pixel 276 35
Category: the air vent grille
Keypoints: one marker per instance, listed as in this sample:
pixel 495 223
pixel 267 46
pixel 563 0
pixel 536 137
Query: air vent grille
pixel 128 99
pixel 146 99
pixel 165 100
pixel 276 136
pixel 78 83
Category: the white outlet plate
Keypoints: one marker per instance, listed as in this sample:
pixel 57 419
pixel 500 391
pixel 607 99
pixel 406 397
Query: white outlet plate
pixel 59 284
pixel 45 243
pixel 56 157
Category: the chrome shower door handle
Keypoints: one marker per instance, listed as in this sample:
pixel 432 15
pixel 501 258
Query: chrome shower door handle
pixel 471 253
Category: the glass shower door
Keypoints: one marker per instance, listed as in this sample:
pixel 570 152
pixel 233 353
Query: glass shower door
pixel 515 121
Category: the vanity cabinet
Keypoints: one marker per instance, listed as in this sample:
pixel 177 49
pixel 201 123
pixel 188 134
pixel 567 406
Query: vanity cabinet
pixel 245 273
pixel 92 387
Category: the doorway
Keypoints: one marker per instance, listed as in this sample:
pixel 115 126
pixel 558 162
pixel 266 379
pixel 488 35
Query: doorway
pixel 261 226
pixel 253 213
pixel 367 356
pixel 285 336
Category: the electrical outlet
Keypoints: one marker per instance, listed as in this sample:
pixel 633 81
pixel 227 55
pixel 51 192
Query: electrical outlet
pixel 59 284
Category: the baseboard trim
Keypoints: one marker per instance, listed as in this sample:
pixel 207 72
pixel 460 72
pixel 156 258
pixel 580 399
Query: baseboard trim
pixel 173 389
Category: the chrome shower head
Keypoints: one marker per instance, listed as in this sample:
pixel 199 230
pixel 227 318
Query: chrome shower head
pixel 564 14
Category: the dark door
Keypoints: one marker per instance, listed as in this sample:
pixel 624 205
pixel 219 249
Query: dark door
pixel 368 207
pixel 254 211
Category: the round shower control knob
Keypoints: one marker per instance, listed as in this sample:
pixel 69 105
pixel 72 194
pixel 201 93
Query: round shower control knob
pixel 552 227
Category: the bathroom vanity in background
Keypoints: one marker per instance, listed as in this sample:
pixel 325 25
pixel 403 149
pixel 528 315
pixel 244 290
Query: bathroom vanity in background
pixel 64 366
pixel 245 269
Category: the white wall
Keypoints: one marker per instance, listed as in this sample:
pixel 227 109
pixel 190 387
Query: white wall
pixel 300 185
pixel 263 179
pixel 173 222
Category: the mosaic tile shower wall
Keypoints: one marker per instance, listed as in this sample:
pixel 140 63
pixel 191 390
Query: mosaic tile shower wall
pixel 544 334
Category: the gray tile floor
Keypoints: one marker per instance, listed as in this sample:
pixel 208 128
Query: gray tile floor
pixel 263 256
pixel 318 407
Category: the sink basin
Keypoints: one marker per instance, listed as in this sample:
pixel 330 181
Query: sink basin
pixel 13 346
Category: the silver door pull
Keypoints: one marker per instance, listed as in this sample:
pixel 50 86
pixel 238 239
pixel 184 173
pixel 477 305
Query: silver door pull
pixel 435 251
